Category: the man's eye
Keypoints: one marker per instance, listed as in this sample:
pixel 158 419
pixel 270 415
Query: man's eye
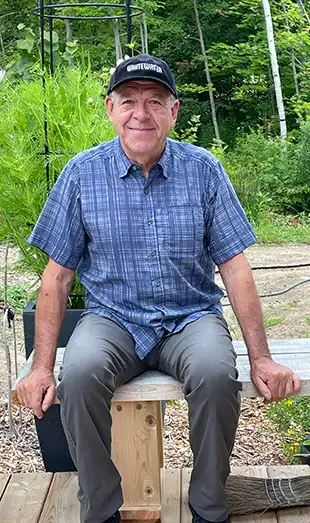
pixel 155 102
pixel 127 102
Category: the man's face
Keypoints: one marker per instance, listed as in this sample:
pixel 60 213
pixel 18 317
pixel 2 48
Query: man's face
pixel 143 113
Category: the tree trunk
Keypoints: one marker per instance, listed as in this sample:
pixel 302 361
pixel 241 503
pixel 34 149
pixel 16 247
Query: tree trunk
pixel 144 24
pixel 275 69
pixel 210 85
pixel 303 11
pixel 68 31
pixel 118 46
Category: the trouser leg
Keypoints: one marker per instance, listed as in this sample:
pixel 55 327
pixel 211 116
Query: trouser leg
pixel 100 355
pixel 202 357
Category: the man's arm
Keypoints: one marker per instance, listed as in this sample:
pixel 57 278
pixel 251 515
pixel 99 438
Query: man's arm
pixel 38 389
pixel 273 381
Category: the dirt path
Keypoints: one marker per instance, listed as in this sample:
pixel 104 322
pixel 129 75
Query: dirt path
pixel 286 316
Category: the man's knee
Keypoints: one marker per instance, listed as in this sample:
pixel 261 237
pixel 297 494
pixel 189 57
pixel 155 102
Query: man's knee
pixel 86 379
pixel 212 378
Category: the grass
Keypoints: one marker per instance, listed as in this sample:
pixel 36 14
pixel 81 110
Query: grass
pixel 17 296
pixel 273 320
pixel 272 228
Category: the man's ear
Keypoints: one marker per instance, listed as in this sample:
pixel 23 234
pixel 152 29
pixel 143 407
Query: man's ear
pixel 174 112
pixel 109 107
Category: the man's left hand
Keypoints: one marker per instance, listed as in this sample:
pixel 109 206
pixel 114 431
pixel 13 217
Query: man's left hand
pixel 273 381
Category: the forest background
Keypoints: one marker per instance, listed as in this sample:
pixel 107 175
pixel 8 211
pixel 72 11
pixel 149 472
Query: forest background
pixel 227 85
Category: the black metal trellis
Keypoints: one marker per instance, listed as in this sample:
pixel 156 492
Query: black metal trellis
pixel 49 11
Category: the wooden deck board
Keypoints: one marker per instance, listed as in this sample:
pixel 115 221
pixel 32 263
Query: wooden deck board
pixel 4 478
pixel 48 498
pixel 24 497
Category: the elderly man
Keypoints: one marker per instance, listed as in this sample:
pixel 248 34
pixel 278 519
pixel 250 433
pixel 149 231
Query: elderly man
pixel 144 220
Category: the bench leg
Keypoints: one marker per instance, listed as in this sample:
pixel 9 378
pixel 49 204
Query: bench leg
pixel 137 451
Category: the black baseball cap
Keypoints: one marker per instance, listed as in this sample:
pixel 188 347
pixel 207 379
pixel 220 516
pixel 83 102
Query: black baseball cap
pixel 143 67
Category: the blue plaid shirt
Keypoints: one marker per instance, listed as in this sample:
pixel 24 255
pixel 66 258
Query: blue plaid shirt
pixel 145 248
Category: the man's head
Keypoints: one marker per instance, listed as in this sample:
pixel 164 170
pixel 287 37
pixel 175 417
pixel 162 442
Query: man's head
pixel 142 105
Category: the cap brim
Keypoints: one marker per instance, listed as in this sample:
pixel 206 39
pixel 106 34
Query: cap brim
pixel 139 78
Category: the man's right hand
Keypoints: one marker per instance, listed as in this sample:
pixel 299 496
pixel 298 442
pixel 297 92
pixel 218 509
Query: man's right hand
pixel 37 391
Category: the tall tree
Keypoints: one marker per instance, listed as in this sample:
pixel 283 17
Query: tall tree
pixel 275 69
pixel 209 81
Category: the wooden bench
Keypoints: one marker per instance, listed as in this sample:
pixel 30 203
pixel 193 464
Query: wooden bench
pixel 137 436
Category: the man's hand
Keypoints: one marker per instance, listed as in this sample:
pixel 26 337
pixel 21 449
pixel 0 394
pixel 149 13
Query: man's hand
pixel 37 390
pixel 274 381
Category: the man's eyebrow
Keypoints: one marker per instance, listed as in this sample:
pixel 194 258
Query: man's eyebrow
pixel 155 92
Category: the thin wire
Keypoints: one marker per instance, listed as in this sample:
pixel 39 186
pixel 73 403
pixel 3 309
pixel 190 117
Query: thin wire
pixel 270 294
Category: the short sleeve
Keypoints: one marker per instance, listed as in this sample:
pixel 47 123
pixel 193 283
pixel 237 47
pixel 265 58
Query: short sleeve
pixel 228 229
pixel 59 230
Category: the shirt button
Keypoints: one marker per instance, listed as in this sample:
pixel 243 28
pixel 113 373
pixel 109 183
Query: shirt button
pixel 158 284
pixel 153 254
pixel 146 190
pixel 134 168
pixel 150 222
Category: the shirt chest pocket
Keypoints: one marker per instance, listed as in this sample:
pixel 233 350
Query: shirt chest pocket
pixel 185 231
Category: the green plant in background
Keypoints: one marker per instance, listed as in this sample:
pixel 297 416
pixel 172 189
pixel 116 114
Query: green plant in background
pixel 273 321
pixel 190 133
pixel 17 296
pixel 76 120
pixel 26 61
pixel 291 417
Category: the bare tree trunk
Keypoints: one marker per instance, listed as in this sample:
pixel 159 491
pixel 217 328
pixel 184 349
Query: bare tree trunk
pixel 68 31
pixel 275 69
pixel 209 81
pixel 303 11
pixel 146 44
pixel 293 61
pixel 118 46
pixel 142 36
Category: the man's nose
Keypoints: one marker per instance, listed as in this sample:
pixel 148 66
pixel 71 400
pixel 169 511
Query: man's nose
pixel 141 111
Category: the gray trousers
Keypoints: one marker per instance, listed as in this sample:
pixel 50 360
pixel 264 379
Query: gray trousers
pixel 100 356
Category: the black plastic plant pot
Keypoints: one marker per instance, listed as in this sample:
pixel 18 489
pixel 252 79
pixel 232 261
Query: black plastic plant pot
pixel 52 439
pixel 71 318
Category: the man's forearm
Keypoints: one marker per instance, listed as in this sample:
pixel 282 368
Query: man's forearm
pixel 49 316
pixel 244 299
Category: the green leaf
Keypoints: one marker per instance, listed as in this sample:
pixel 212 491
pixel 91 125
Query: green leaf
pixel 26 43
pixel 55 37
pixel 21 26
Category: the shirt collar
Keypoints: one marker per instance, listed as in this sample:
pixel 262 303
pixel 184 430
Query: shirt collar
pixel 124 164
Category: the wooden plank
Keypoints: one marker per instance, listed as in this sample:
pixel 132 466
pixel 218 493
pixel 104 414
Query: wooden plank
pixel 153 385
pixel 61 505
pixel 135 514
pixel 284 346
pixel 24 497
pixel 4 479
pixel 138 455
pixel 170 495
pixel 259 472
pixel 291 515
pixel 186 516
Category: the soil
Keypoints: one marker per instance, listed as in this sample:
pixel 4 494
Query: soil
pixel 257 443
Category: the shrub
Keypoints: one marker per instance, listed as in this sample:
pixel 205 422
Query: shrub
pixel 76 121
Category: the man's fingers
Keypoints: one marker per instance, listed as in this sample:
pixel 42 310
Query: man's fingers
pixel 263 388
pixel 49 397
pixel 296 383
